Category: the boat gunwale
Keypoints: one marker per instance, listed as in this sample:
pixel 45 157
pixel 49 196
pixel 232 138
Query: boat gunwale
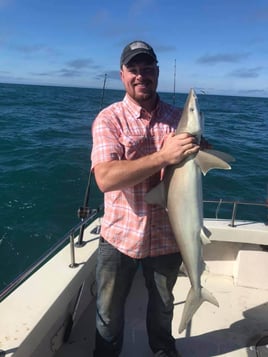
pixel 48 254
pixel 93 213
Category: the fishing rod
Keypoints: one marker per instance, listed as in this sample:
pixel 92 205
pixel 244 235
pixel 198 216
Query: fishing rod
pixel 103 91
pixel 174 82
pixel 85 210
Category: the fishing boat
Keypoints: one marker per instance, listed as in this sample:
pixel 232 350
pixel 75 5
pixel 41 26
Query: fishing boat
pixel 49 310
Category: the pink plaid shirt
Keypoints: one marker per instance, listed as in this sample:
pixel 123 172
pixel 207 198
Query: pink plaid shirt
pixel 125 131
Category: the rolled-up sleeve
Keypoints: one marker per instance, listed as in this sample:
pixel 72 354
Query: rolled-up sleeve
pixel 106 144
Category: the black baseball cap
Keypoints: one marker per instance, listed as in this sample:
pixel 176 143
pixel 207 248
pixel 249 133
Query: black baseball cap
pixel 136 48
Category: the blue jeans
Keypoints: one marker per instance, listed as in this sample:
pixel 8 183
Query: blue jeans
pixel 114 275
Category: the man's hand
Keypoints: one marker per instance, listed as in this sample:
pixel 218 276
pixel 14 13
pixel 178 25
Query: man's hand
pixel 177 147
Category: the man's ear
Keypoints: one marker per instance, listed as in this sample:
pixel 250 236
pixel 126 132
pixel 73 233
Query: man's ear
pixel 121 74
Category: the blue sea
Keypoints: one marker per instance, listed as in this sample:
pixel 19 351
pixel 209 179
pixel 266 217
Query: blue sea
pixel 45 161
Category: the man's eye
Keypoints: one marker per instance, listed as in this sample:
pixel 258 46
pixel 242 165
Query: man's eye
pixel 143 71
pixel 149 70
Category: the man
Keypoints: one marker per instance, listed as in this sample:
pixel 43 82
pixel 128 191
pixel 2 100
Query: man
pixel 133 141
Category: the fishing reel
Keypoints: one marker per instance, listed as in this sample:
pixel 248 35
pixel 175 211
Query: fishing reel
pixel 83 212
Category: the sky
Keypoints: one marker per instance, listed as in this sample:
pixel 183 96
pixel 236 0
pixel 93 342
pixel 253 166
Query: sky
pixel 220 47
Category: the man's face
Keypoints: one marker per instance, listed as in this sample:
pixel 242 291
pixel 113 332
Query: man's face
pixel 140 79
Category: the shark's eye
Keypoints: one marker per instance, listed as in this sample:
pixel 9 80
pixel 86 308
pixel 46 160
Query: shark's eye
pixel 192 109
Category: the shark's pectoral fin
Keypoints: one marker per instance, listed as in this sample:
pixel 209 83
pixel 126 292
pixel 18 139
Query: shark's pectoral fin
pixel 157 196
pixel 207 161
pixel 204 235
pixel 220 154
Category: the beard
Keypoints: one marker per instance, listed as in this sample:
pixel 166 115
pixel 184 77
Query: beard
pixel 145 96
pixel 146 93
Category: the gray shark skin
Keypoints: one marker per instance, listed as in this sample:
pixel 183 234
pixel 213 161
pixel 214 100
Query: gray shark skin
pixel 180 193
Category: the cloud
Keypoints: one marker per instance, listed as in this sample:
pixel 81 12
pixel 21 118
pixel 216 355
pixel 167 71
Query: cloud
pixel 80 63
pixel 100 18
pixel 113 74
pixel 222 58
pixel 110 75
pixel 5 3
pixel 260 15
pixel 255 92
pixel 246 72
pixel 65 72
pixel 4 72
pixel 75 68
pixel 139 6
pixel 165 48
pixel 34 49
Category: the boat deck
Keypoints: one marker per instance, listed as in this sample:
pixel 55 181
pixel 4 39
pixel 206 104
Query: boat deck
pixel 36 316
pixel 239 327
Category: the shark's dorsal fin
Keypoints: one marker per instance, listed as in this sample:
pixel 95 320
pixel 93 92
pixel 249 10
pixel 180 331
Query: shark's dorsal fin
pixel 207 161
pixel 157 195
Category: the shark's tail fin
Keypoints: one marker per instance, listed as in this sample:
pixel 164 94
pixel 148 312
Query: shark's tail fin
pixel 194 299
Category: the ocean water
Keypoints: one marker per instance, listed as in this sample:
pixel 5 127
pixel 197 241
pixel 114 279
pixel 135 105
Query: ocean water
pixel 45 160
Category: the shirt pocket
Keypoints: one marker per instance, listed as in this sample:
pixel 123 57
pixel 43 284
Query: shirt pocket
pixel 135 144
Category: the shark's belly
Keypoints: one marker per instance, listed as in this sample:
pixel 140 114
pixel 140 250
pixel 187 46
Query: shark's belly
pixel 185 210
pixel 184 199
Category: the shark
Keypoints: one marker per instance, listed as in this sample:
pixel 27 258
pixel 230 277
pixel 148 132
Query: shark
pixel 180 192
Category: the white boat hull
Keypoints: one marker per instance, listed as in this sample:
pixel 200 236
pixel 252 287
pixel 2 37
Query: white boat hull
pixel 34 318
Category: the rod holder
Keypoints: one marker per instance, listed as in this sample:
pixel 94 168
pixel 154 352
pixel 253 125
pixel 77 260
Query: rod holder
pixel 233 214
pixel 73 263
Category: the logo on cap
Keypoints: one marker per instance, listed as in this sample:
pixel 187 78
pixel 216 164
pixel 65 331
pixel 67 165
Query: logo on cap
pixel 136 45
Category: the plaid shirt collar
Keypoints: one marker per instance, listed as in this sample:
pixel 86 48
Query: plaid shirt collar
pixel 138 112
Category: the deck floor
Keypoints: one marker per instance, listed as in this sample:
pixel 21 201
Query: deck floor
pixel 232 330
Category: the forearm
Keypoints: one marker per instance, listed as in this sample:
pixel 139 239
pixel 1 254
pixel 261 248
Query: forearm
pixel 118 174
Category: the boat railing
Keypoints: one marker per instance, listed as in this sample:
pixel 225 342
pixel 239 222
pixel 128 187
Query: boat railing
pixel 235 205
pixel 69 236
pixel 87 215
